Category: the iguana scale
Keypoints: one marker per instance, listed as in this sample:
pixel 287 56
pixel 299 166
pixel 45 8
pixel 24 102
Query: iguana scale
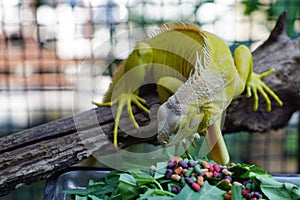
pixel 196 78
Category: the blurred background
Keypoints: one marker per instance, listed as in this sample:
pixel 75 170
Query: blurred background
pixel 56 56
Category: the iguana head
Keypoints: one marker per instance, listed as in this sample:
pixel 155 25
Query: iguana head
pixel 168 116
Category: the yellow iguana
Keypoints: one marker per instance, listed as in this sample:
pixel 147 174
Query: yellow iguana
pixel 194 105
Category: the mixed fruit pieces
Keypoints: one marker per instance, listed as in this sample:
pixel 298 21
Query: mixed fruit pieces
pixel 195 172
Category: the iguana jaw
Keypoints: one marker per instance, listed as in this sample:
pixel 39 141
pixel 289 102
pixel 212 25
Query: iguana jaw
pixel 168 116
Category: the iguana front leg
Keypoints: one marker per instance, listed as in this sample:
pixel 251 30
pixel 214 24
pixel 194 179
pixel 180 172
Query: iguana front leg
pixel 215 143
pixel 250 80
pixel 124 89
pixel 167 86
pixel 125 100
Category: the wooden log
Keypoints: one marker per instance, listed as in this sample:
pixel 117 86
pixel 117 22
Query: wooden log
pixel 37 153
pixel 283 54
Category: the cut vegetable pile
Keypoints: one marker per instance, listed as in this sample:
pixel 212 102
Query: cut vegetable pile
pixel 188 178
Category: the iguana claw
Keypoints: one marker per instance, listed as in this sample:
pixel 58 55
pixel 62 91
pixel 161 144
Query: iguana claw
pixel 256 84
pixel 124 99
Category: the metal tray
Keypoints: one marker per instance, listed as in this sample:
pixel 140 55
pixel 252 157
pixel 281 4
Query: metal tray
pixel 76 178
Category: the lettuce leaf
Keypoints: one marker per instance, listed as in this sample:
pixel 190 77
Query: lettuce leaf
pixel 276 190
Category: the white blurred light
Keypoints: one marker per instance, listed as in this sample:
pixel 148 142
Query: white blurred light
pixel 207 12
pixel 65 49
pixel 45 15
pixel 122 49
pixel 101 43
pixel 5 3
pixel 82 48
pixel 120 13
pixel 186 9
pixel 80 15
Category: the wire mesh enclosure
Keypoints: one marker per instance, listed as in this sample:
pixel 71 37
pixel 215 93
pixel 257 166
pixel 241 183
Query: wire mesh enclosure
pixel 56 56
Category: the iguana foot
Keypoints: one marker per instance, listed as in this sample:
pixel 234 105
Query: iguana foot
pixel 122 100
pixel 185 145
pixel 256 84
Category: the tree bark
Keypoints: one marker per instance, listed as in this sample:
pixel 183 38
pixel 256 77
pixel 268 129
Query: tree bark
pixel 37 153
pixel 283 54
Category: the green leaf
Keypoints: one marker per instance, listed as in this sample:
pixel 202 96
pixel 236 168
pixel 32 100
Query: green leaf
pixel 236 192
pixel 82 192
pixel 141 178
pixel 211 192
pixel 112 177
pixel 93 197
pixel 80 198
pixel 128 186
pixel 207 191
pixel 222 185
pixel 276 190
pixel 102 188
pixel 159 197
pixel 156 194
pixel 294 190
pixel 245 171
pixel 161 168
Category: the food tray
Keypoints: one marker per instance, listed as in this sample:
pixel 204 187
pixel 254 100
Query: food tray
pixel 76 178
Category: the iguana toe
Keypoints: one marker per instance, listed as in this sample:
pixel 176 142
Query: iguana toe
pixel 122 100
pixel 255 85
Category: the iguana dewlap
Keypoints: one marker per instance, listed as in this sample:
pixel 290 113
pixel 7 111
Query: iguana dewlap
pixel 212 80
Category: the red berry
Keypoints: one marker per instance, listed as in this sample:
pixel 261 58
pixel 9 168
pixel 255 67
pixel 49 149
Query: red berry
pixel 172 160
pixel 195 187
pixel 244 192
pixel 211 168
pixel 216 167
pixel 215 174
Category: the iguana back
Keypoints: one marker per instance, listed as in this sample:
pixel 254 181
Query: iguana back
pixel 175 45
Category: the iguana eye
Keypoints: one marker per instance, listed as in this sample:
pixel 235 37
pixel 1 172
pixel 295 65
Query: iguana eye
pixel 198 110
pixel 169 104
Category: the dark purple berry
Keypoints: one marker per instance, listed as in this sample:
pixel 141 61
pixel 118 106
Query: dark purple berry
pixel 202 174
pixel 189 181
pixel 169 173
pixel 191 164
pixel 174 190
pixel 228 177
pixel 248 195
pixel 183 164
pixel 257 195
pixel 220 175
pixel 179 189
pixel 247 181
pixel 171 165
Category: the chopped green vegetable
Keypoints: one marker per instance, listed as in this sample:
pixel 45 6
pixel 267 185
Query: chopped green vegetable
pixel 128 186
pixel 244 171
pixel 276 190
pixel 236 192
pixel 170 181
pixel 207 192
pixel 102 189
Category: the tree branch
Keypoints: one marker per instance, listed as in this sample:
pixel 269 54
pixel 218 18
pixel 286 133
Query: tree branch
pixel 283 54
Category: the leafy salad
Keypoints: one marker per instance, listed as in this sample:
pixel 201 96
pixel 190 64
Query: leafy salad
pixel 188 178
